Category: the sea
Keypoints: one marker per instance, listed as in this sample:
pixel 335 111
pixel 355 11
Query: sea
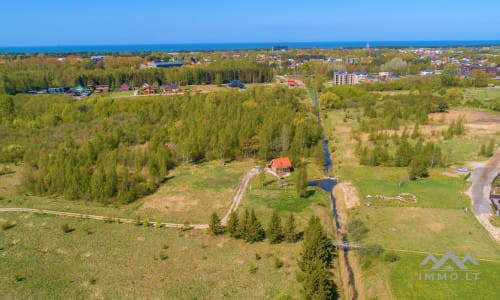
pixel 241 46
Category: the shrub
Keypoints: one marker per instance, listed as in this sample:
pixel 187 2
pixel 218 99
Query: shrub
pixel 356 229
pixel 391 256
pixel 18 277
pixel 163 255
pixel 252 269
pixel 278 263
pixel 6 225
pixel 66 228
pixel 257 256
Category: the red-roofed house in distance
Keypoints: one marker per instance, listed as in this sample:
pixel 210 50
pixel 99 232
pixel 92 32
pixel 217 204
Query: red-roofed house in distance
pixel 281 166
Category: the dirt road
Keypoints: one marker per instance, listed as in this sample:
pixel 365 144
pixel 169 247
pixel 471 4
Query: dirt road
pixel 481 179
pixel 239 194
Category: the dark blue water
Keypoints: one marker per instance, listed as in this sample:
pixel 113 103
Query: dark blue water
pixel 237 46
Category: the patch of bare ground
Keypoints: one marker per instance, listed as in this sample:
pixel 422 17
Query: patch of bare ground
pixel 351 196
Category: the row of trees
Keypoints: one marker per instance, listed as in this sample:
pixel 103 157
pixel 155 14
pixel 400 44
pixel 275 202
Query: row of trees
pixel 26 75
pixel 248 228
pixel 418 158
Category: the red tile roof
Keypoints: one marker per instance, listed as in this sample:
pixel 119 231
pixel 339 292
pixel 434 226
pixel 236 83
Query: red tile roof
pixel 281 162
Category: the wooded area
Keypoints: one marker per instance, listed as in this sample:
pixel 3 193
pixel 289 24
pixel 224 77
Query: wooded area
pixel 109 149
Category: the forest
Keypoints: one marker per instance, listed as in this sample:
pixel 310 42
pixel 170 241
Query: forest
pixel 118 150
pixel 34 73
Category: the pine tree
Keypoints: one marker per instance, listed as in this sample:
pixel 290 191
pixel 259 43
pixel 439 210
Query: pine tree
pixel 274 231
pixel 214 225
pixel 317 284
pixel 316 245
pixel 289 231
pixel 243 225
pixel 232 225
pixel 255 231
pixel 314 262
pixel 301 182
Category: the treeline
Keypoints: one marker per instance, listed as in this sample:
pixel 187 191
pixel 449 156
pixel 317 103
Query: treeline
pixel 118 150
pixel 36 73
pixel 418 157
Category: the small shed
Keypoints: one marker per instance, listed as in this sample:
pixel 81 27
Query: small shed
pixel 280 165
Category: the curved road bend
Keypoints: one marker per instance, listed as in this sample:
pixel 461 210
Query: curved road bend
pixel 481 179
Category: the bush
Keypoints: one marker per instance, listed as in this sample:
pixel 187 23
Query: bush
pixel 391 256
pixel 18 277
pixel 257 256
pixel 278 263
pixel 252 269
pixel 356 229
pixel 6 225
pixel 163 255
pixel 66 228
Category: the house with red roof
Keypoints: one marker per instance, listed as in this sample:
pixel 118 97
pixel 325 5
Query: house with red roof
pixel 281 166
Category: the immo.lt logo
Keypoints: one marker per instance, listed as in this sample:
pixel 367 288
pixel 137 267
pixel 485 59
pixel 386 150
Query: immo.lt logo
pixel 449 268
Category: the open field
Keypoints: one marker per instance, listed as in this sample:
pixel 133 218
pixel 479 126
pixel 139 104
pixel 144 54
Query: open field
pixel 484 94
pixel 437 191
pixel 427 230
pixel 190 194
pixel 405 282
pixel 124 261
pixel 194 192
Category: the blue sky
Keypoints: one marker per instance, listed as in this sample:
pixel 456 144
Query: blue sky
pixel 92 22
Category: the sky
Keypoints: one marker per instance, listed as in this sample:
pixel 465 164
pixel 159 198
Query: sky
pixel 107 22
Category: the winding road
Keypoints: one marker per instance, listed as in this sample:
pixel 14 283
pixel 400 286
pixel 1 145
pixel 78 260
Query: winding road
pixel 234 205
pixel 481 179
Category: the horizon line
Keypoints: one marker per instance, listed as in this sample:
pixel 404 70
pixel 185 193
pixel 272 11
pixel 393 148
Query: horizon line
pixel 249 42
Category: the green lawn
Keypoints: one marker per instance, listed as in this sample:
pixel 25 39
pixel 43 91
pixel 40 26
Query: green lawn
pixel 406 283
pixel 121 261
pixel 265 200
pixel 427 230
pixel 437 191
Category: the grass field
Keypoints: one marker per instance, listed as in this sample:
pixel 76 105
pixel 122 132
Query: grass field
pixel 122 261
pixel 190 194
pixel 194 192
pixel 481 93
pixel 436 191
pixel 406 283
pixel 427 230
